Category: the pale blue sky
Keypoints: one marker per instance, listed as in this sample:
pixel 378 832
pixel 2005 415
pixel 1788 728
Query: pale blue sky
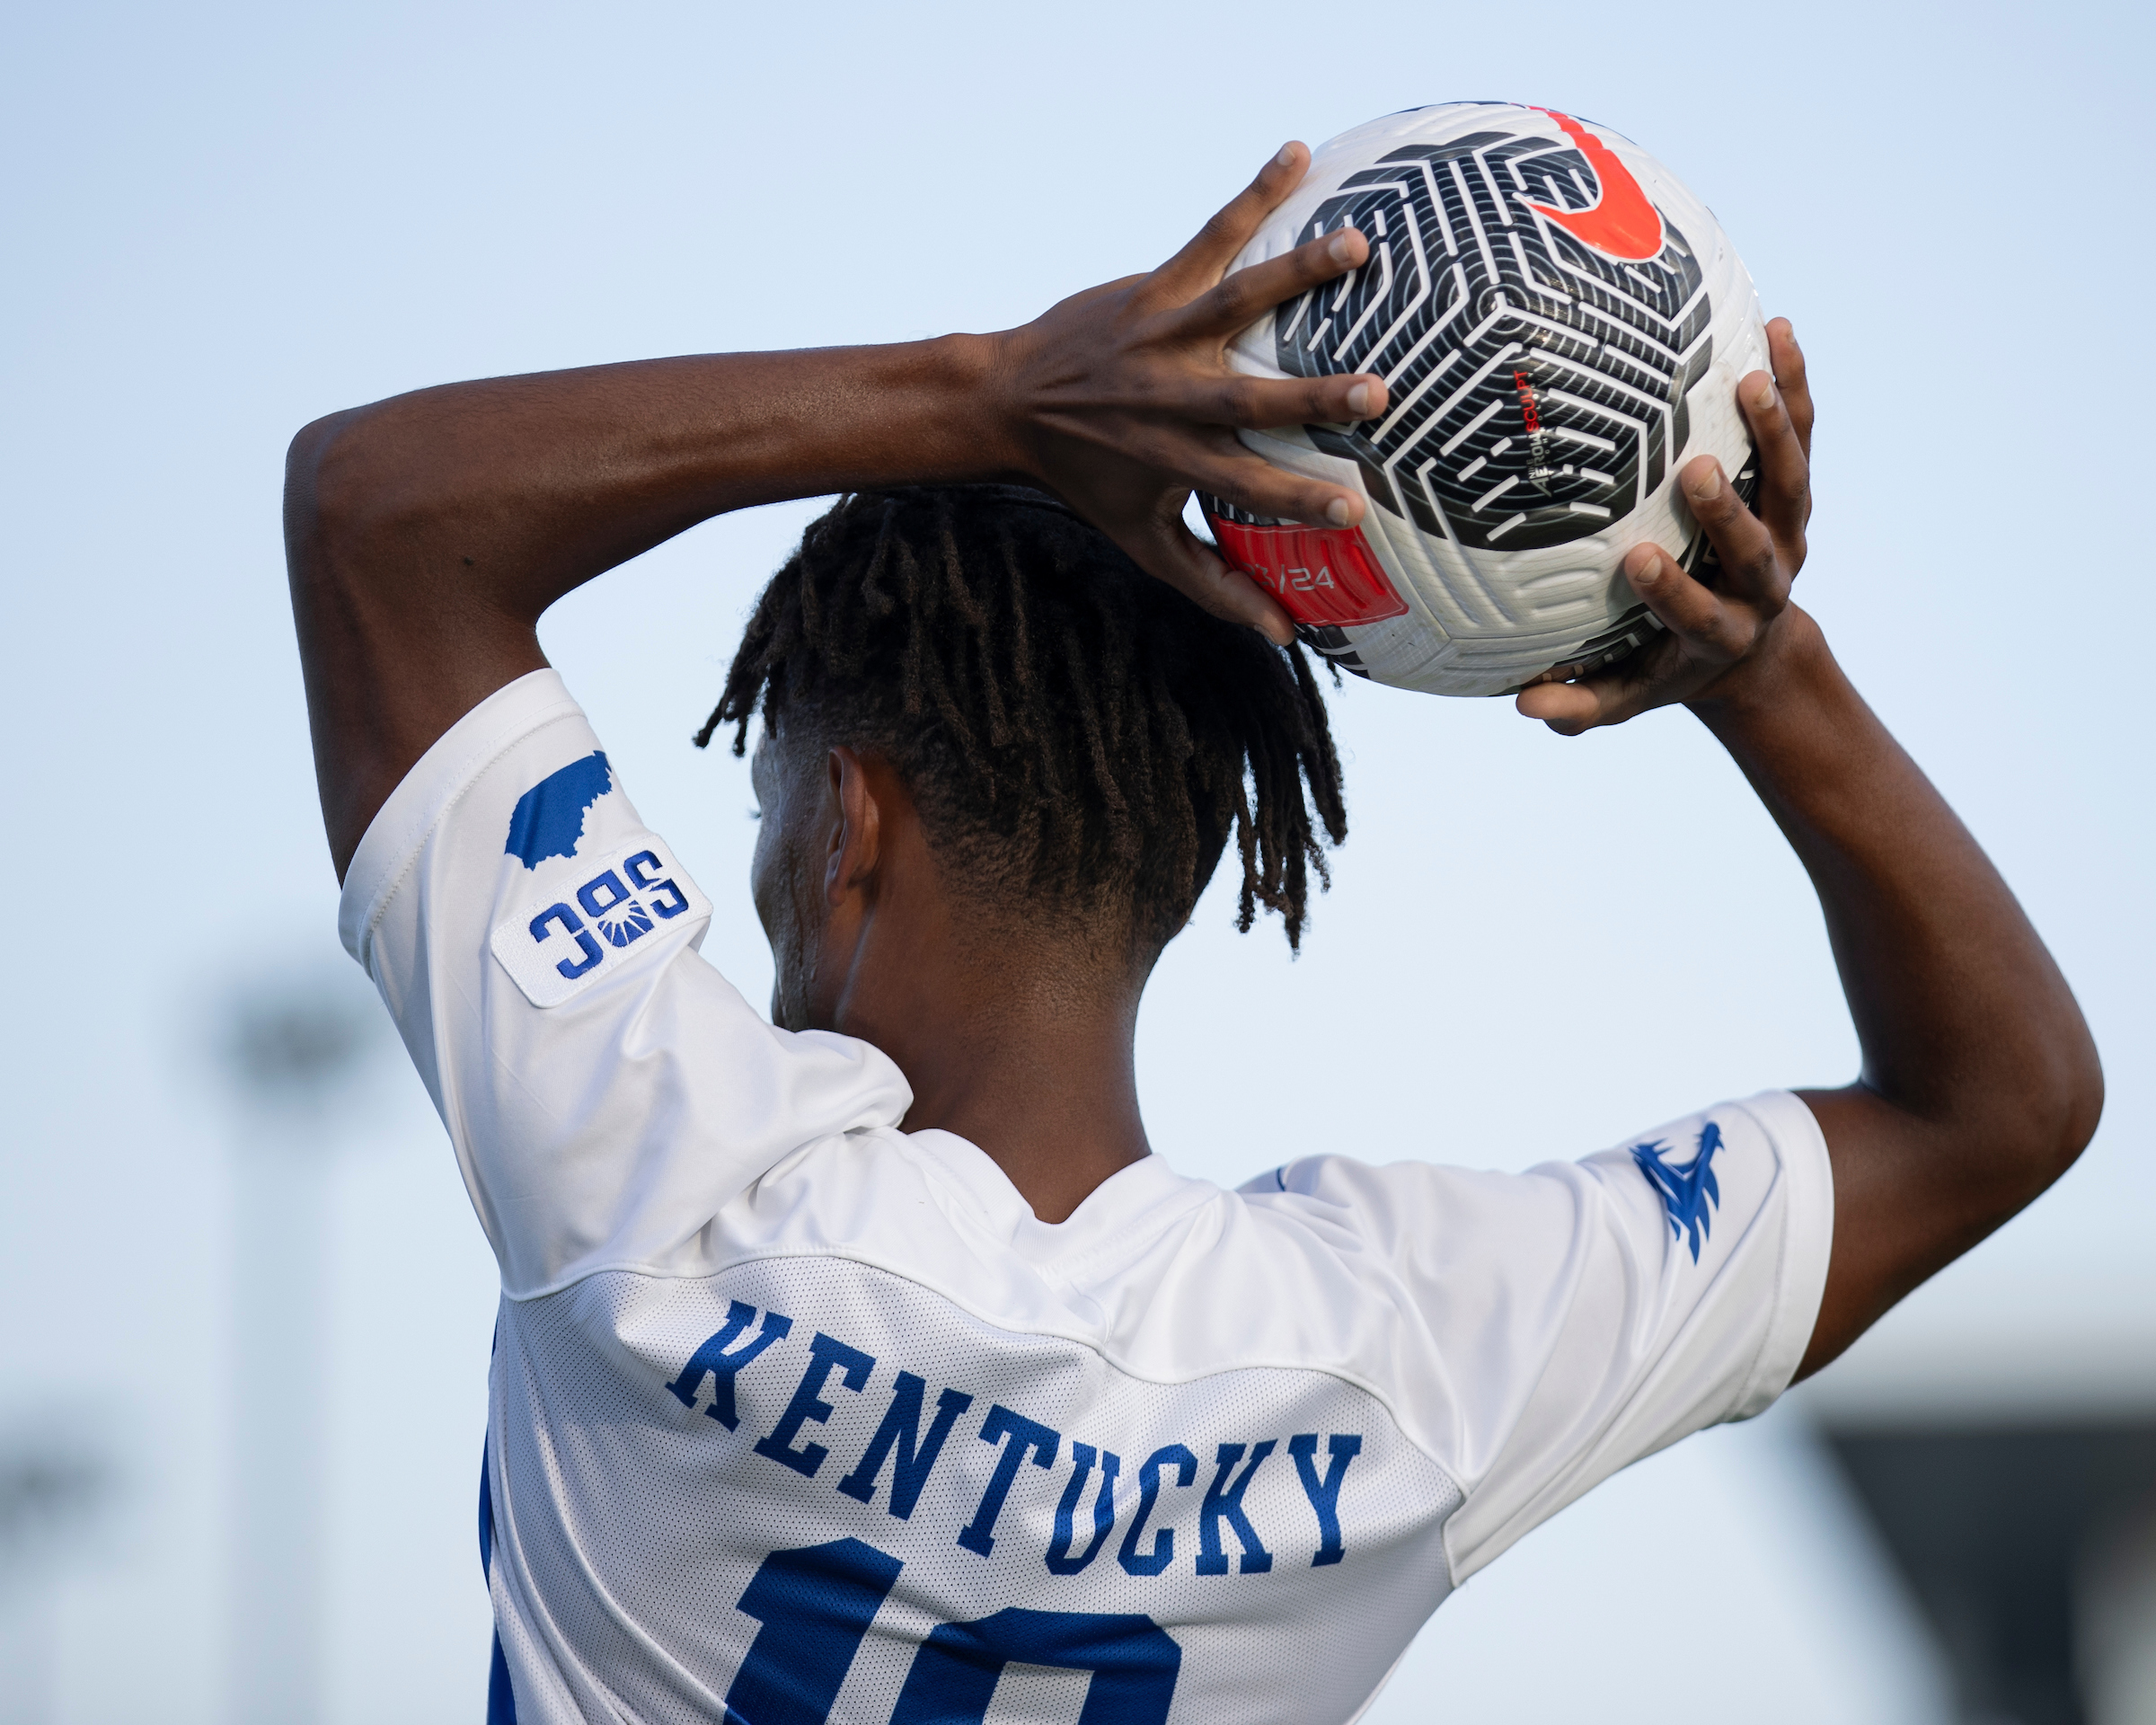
pixel 223 221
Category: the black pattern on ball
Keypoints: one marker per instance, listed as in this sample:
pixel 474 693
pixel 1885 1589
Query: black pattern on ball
pixel 1537 388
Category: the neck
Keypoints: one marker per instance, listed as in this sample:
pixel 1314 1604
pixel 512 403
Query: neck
pixel 1031 1064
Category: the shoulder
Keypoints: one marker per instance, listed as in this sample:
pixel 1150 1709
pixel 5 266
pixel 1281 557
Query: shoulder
pixel 1678 1171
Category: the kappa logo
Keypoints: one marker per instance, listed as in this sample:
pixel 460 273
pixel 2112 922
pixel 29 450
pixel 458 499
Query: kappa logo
pixel 556 946
pixel 1690 1191
pixel 1620 223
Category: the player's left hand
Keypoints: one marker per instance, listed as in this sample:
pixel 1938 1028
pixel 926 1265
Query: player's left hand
pixel 1712 634
pixel 1120 400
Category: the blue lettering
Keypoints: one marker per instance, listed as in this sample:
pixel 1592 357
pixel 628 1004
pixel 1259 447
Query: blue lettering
pixel 1135 1665
pixel 1224 1502
pixel 1019 1436
pixel 621 919
pixel 723 1367
pixel 814 1606
pixel 587 895
pixel 642 869
pixel 1324 1494
pixel 1149 1493
pixel 571 924
pixel 1059 1558
pixel 825 1356
pixel 901 1427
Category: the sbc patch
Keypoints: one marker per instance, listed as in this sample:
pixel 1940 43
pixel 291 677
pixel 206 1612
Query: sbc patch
pixel 560 944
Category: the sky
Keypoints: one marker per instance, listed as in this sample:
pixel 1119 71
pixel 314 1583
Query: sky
pixel 225 220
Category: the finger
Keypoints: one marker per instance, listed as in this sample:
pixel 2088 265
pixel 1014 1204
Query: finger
pixel 1199 264
pixel 1708 627
pixel 1785 476
pixel 1568 708
pixel 1708 635
pixel 1250 481
pixel 1213 459
pixel 1740 542
pixel 1790 377
pixel 1257 403
pixel 1247 294
pixel 1170 552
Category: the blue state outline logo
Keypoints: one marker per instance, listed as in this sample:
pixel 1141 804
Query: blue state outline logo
pixel 549 819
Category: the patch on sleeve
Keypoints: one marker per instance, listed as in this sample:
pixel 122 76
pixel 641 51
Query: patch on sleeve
pixel 549 818
pixel 1690 1191
pixel 557 946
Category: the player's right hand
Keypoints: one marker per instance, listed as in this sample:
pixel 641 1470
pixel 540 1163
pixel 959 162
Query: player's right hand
pixel 1120 400
pixel 1726 629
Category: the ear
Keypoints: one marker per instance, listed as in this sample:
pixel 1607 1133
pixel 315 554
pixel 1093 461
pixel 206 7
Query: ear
pixel 856 841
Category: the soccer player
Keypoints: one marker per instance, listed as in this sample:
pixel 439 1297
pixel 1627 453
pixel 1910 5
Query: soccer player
pixel 865 1365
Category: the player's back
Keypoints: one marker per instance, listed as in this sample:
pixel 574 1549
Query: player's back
pixel 906 1435
pixel 797 1416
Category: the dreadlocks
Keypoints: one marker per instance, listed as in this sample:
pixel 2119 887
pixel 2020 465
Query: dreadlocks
pixel 1078 738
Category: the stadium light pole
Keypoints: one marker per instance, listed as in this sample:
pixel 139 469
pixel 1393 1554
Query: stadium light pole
pixel 52 1488
pixel 292 1048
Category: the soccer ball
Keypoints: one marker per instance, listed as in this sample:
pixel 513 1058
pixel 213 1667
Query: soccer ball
pixel 1560 324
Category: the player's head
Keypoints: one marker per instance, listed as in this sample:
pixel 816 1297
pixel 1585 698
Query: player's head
pixel 1079 740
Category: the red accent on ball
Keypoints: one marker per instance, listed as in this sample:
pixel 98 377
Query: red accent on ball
pixel 1325 577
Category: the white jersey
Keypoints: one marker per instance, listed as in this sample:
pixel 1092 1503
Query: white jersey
pixel 796 1416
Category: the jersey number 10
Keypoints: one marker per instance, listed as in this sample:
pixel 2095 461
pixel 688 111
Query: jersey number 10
pixel 814 1604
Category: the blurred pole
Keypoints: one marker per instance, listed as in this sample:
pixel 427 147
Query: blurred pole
pixel 52 1486
pixel 291 1049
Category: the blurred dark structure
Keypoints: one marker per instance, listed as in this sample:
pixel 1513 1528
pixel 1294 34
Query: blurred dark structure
pixel 47 1491
pixel 294 1044
pixel 56 1482
pixel 2031 1546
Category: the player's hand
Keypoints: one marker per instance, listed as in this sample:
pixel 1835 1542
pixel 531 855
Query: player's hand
pixel 1120 400
pixel 1721 630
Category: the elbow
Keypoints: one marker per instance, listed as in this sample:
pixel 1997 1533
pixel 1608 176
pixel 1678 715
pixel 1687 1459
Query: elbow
pixel 324 487
pixel 2078 1105
pixel 2056 1106
pixel 367 491
pixel 2010 1117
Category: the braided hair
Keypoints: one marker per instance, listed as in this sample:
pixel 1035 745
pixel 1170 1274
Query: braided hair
pixel 1080 739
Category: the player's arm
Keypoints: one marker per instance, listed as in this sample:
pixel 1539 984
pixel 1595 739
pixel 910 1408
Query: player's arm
pixel 1980 1083
pixel 425 534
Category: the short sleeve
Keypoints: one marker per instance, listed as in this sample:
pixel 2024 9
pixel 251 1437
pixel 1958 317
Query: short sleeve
pixel 606 1091
pixel 1569 1321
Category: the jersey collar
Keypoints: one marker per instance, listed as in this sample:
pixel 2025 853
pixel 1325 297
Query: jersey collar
pixel 1116 1220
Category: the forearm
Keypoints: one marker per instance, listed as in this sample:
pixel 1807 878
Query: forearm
pixel 522 488
pixel 1953 996
pixel 427 532
pixel 1980 1084
pixel 1969 1034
